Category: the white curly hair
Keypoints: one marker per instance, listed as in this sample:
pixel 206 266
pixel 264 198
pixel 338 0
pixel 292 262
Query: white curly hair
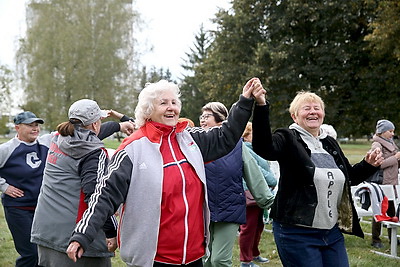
pixel 147 97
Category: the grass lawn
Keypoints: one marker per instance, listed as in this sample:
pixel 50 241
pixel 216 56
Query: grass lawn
pixel 355 152
pixel 359 250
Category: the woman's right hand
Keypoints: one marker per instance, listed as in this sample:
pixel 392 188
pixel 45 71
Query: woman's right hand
pixel 74 251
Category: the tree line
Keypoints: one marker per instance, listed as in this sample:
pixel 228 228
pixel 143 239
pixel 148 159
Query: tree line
pixel 345 51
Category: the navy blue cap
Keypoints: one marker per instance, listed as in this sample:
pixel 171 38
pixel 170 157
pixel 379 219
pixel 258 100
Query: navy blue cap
pixel 27 117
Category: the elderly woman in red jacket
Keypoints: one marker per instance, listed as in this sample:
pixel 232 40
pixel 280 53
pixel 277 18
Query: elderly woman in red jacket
pixel 158 176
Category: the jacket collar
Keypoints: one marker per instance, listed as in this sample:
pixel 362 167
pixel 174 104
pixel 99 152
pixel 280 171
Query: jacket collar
pixel 155 131
pixel 388 144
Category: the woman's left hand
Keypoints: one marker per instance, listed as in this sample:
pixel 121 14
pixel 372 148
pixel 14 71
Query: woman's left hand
pixel 374 157
pixel 259 93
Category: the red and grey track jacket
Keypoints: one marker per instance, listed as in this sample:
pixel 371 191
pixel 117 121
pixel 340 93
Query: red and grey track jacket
pixel 136 178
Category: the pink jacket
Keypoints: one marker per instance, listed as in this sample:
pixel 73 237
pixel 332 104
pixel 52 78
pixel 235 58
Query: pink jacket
pixel 390 164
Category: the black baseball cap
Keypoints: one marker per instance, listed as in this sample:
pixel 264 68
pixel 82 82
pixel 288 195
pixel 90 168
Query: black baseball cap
pixel 27 117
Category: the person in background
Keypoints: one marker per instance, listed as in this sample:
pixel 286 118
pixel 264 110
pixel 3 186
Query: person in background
pixel 76 159
pixel 158 175
pixel 226 196
pixel 383 140
pixel 22 160
pixel 313 204
pixel 250 232
pixel 329 130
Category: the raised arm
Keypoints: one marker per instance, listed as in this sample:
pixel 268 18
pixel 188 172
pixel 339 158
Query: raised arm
pixel 219 141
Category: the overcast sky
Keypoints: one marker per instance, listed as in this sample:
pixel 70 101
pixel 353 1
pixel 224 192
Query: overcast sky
pixel 171 28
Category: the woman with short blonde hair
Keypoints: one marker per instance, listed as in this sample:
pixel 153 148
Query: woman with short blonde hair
pixel 313 205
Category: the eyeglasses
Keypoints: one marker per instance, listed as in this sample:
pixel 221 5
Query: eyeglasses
pixel 205 116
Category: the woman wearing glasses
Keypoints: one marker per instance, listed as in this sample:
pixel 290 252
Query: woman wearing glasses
pixel 226 197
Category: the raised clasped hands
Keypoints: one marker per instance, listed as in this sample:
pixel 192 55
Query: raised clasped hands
pixel 374 157
pixel 253 88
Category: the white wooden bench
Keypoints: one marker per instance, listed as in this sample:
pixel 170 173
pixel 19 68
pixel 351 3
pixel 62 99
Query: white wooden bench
pixel 392 193
pixel 393 239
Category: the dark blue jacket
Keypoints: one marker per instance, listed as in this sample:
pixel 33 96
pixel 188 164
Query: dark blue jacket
pixel 226 198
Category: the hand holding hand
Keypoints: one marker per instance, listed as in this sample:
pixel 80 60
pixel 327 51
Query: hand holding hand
pixel 254 88
pixel 248 88
pixel 74 251
pixel 259 92
pixel 14 192
pixel 374 157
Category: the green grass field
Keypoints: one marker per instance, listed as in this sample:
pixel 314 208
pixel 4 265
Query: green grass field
pixel 359 250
